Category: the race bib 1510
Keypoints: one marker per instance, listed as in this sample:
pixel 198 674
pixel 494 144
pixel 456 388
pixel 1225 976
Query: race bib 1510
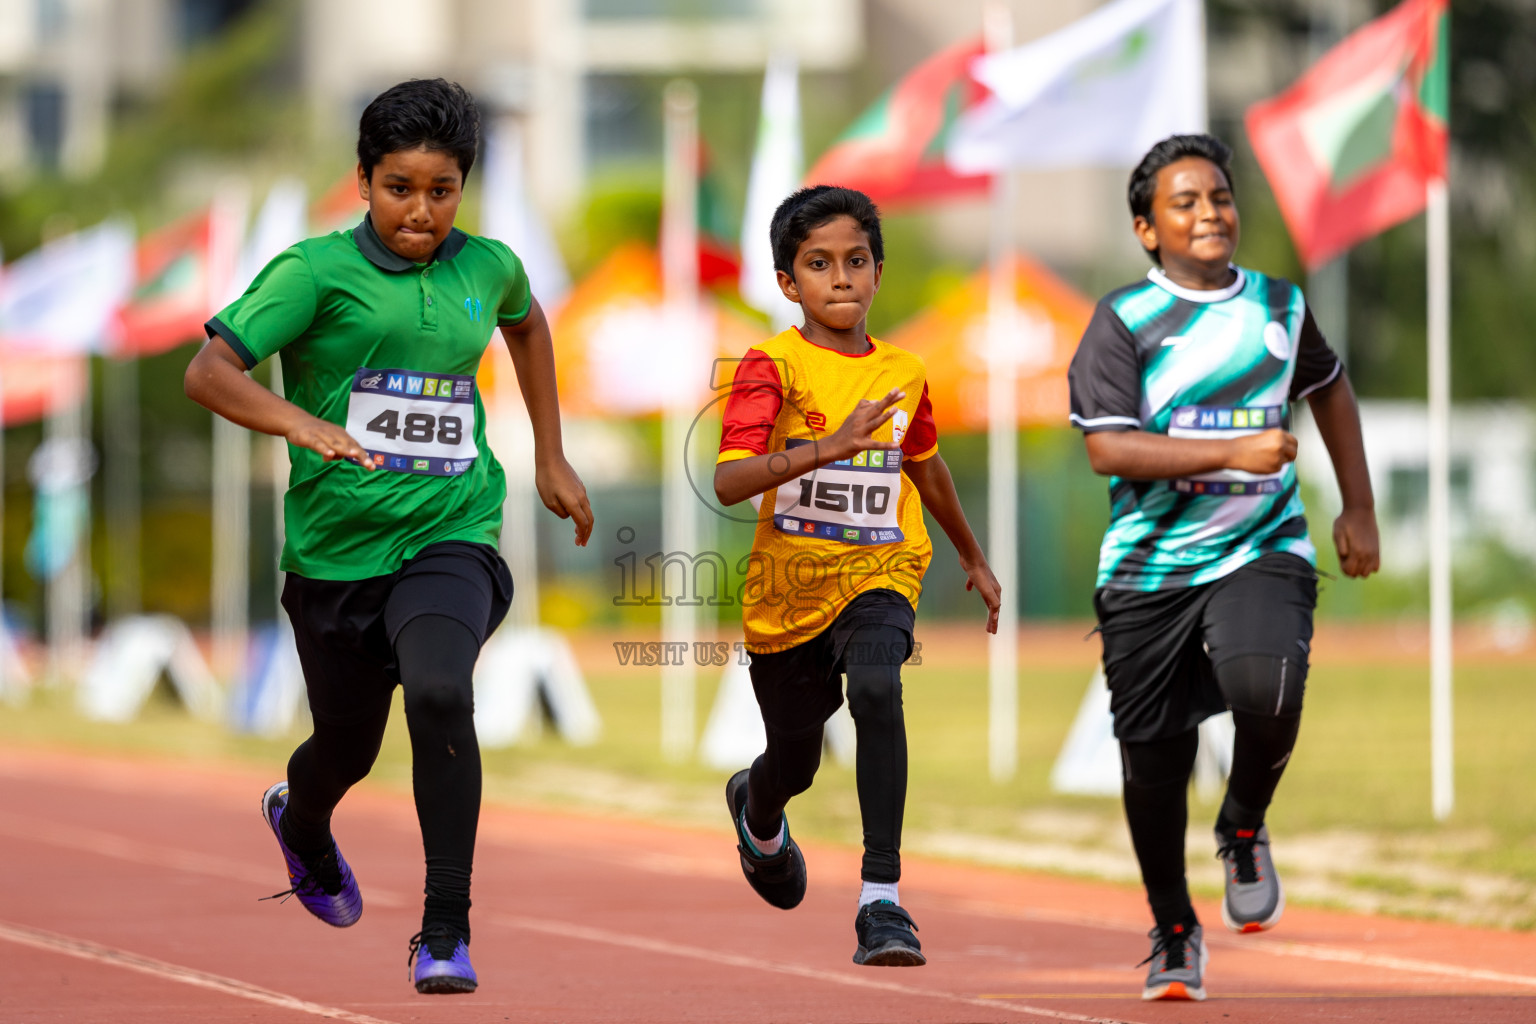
pixel 414 422
pixel 851 501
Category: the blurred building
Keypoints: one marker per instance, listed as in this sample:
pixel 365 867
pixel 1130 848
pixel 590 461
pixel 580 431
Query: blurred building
pixel 1493 476
pixel 65 64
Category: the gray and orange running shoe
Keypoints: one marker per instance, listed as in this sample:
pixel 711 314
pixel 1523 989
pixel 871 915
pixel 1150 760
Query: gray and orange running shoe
pixel 324 884
pixel 1254 899
pixel 1178 963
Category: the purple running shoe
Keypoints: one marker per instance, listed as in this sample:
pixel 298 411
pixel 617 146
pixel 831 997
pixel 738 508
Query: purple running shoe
pixel 442 964
pixel 323 884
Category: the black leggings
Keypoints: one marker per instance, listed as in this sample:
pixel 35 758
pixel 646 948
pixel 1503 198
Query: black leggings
pixel 872 663
pixel 1157 779
pixel 436 657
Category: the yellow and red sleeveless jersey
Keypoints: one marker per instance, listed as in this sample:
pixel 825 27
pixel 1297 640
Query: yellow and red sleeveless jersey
pixel 845 528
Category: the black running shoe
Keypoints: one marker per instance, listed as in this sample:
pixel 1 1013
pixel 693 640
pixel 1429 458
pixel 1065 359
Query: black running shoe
pixel 779 879
pixel 885 937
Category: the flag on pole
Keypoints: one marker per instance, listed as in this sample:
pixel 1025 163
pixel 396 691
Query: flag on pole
pixel 1101 91
pixel 185 273
pixel 1350 148
pixel 507 214
pixel 280 223
pixel 60 298
pixel 776 167
pixel 894 152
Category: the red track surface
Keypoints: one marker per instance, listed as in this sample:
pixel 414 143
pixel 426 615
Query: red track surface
pixel 130 890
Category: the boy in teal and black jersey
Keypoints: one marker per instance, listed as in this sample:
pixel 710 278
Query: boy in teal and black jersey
pixel 393 508
pixel 1182 385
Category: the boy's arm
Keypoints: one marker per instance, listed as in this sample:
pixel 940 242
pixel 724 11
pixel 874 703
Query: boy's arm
pixel 1354 532
pixel 533 357
pixel 741 479
pixel 1140 455
pixel 937 489
pixel 216 380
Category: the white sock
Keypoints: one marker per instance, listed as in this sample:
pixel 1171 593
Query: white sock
pixel 878 891
pixel 769 847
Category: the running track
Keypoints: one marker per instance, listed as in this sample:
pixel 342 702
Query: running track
pixel 129 895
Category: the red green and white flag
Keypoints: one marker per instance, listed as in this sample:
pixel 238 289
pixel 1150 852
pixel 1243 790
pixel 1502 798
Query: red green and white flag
pixel 1351 148
pixel 894 152
pixel 186 273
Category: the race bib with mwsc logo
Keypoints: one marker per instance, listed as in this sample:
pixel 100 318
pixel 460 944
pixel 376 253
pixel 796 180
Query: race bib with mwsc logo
pixel 1225 421
pixel 852 501
pixel 414 422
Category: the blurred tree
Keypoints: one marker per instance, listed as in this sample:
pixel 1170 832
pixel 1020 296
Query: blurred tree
pixel 233 99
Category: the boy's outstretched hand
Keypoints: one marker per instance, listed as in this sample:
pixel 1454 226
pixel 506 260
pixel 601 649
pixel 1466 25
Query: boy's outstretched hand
pixel 565 495
pixel 857 432
pixel 331 441
pixel 1356 540
pixel 979 577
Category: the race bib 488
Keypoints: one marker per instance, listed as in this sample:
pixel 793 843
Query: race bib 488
pixel 414 422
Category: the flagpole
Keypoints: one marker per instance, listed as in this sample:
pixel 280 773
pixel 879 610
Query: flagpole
pixel 1002 453
pixel 121 486
pixel 230 598
pixel 1442 740
pixel 679 509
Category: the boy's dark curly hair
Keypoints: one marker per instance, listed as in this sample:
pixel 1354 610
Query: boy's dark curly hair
pixel 1143 185
pixel 423 113
pixel 810 208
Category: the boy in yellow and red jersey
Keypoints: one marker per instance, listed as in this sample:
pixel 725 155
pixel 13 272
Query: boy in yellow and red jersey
pixel 830 433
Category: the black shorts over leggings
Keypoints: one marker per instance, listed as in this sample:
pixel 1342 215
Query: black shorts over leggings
pixel 1162 648
pixel 346 629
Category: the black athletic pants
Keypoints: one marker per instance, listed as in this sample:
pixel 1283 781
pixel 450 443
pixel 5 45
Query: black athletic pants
pixel 798 690
pixel 1175 658
pixel 423 628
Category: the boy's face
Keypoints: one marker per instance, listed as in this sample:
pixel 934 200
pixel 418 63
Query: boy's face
pixel 413 197
pixel 1194 217
pixel 836 276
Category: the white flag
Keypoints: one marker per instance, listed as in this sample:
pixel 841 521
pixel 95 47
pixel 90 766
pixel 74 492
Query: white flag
pixel 61 297
pixel 1099 92
pixel 508 216
pixel 282 222
pixel 776 170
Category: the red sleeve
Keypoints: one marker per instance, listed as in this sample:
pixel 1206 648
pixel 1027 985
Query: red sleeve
pixel 757 395
pixel 922 432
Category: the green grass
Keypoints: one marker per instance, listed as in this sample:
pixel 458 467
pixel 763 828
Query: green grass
pixel 1361 765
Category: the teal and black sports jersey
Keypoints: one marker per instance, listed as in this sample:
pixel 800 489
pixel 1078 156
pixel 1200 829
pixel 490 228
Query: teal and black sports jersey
pixel 387 349
pixel 1198 364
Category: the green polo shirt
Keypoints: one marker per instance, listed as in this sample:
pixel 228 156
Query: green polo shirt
pixel 387 349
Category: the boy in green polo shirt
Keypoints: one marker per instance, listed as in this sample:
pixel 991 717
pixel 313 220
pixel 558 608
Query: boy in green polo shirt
pixel 393 508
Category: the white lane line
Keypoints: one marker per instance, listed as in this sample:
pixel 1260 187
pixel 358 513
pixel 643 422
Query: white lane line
pixel 1302 950
pixel 1396 963
pixel 110 844
pixel 587 934
pixel 119 847
pixel 83 950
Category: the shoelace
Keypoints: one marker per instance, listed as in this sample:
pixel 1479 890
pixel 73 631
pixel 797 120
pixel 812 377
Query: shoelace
pixel 1175 944
pixel 1245 864
pixel 441 942
pixel 321 875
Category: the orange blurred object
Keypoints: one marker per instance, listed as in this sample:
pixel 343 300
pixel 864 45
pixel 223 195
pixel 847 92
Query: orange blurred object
pixel 951 336
pixel 614 343
pixel 35 384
